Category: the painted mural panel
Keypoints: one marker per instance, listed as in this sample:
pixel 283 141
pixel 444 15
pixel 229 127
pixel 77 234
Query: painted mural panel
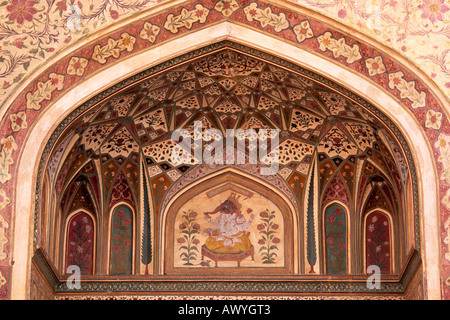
pixel 121 253
pixel 336 239
pixel 378 245
pixel 229 227
pixel 80 242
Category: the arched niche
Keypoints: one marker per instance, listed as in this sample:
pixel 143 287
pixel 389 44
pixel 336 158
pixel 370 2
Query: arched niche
pixel 269 244
pixel 80 241
pixel 232 29
pixel 336 237
pixel 121 243
pixel 379 248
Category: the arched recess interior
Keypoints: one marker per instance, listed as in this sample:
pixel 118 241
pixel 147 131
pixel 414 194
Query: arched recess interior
pixel 220 182
pixel 58 110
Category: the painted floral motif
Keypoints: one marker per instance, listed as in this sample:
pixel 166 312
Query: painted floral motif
pixel 378 250
pixel 9 145
pixel 122 104
pixel 336 103
pixel 433 120
pixel 154 171
pixel 149 32
pixel 121 190
pixel 121 241
pixel 443 145
pixel 4 225
pixel 44 91
pixel 80 243
pixel 155 120
pixel 3 281
pixel 446 200
pixel 336 239
pixel 447 229
pixel 433 10
pixel 94 136
pixel 113 48
pixel 121 143
pixel 186 18
pixel 375 66
pixel 226 7
pixel 303 31
pixel 362 134
pixel 339 47
pixel 336 143
pixel 160 185
pixel 303 121
pixel 21 10
pixel 4 200
pixel 227 107
pixel 407 90
pixel 336 191
pixel 188 238
pixel 76 66
pixel 268 237
pixel 230 64
pixel 18 121
pixel 266 17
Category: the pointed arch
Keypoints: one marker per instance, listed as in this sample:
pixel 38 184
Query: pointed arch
pixel 336 189
pixel 336 238
pixel 232 29
pixel 379 249
pixel 121 244
pixel 80 241
pixel 120 191
pixel 224 181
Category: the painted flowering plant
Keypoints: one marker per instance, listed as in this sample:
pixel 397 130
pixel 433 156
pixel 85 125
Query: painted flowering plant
pixel 188 240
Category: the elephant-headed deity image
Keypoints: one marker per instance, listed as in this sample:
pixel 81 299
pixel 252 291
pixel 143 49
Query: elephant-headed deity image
pixel 229 234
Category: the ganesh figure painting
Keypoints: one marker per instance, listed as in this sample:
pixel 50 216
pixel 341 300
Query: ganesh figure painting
pixel 229 227
pixel 229 234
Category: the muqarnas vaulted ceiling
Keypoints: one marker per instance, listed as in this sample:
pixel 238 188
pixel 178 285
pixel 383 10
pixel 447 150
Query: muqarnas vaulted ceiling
pixel 341 161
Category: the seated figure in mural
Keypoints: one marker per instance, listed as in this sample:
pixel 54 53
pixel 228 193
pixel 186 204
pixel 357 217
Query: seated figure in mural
pixel 229 234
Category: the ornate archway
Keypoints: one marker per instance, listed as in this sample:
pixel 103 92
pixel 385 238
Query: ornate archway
pixel 226 31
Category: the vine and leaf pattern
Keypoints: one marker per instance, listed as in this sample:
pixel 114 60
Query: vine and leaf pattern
pixel 31 31
pixel 416 28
